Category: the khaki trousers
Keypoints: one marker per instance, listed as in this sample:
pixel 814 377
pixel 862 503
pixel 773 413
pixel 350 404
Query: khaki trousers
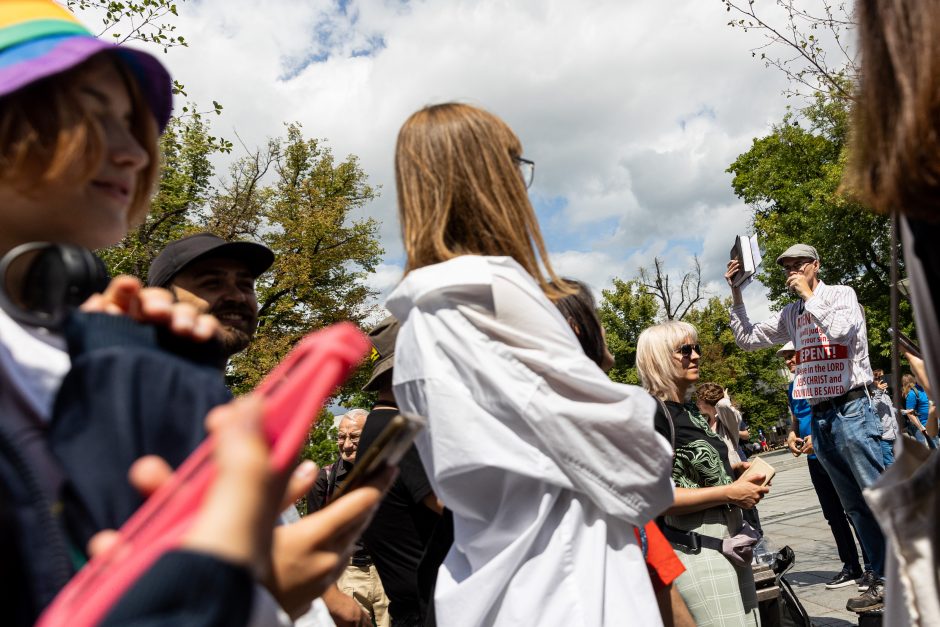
pixel 363 584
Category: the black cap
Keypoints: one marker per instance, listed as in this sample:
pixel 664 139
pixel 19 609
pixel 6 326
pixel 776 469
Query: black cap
pixel 179 254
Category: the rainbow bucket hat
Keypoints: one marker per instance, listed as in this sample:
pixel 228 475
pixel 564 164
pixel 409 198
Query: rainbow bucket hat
pixel 39 38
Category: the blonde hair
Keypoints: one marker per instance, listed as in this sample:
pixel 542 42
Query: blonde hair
pixel 655 364
pixel 907 384
pixel 460 192
pixel 45 131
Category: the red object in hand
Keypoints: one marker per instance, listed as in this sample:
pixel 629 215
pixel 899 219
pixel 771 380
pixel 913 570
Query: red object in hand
pixel 293 394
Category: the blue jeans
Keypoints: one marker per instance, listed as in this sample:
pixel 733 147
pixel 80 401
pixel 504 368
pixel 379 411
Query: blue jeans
pixel 847 440
pixel 887 452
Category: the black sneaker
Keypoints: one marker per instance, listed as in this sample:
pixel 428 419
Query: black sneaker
pixel 870 600
pixel 845 578
pixel 867 579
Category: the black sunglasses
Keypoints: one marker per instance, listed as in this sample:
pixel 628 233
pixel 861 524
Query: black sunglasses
pixel 686 349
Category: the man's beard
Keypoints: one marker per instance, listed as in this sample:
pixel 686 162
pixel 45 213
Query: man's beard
pixel 233 340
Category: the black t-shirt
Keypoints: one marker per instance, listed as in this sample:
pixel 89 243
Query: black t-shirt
pixel 402 527
pixel 701 455
pixel 322 493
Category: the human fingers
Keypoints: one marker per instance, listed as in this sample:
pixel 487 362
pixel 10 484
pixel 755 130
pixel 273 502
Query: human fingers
pixel 756 479
pixel 148 473
pixel 300 482
pixel 101 542
pixel 156 305
pixel 118 297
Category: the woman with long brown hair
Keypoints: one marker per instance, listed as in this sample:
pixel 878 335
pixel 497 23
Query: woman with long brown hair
pixel 546 464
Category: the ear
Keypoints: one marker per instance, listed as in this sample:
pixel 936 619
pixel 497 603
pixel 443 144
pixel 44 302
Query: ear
pixel 574 326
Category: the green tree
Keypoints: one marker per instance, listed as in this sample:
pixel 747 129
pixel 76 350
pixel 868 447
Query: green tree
pixel 625 311
pixel 791 178
pixel 754 379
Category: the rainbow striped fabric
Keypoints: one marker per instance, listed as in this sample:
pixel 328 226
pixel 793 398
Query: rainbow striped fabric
pixel 39 38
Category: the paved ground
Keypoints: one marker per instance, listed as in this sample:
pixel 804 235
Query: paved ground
pixel 790 514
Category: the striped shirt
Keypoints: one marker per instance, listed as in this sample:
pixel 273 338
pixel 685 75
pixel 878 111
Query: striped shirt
pixel 835 311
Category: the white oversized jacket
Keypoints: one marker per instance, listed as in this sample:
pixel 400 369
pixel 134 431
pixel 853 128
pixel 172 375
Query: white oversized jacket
pixel 546 464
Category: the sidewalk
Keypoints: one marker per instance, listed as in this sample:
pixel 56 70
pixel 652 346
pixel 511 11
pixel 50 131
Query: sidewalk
pixel 790 514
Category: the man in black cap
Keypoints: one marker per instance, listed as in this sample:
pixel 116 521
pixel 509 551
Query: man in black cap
pixel 830 338
pixel 404 529
pixel 217 277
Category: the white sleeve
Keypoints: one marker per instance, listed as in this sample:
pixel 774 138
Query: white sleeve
pixel 730 419
pixel 750 336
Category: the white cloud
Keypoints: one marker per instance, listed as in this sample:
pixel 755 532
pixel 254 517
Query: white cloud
pixel 631 110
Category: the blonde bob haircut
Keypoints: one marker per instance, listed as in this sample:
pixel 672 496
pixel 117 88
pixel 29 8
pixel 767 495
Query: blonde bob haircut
pixel 45 132
pixel 460 192
pixel 657 367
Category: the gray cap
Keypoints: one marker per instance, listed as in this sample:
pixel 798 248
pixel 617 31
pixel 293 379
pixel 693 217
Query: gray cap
pixel 785 348
pixel 798 251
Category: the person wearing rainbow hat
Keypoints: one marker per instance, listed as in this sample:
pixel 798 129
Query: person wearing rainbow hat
pixel 79 123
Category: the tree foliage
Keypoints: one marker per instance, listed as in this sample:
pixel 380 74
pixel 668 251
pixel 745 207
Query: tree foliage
pixel 809 46
pixel 146 21
pixel 302 213
pixel 625 311
pixel 791 178
pixel 754 379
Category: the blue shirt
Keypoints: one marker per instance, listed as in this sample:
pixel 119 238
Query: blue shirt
pixel 803 412
pixel 917 400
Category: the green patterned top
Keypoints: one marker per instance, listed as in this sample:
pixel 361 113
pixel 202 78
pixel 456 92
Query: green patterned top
pixel 701 455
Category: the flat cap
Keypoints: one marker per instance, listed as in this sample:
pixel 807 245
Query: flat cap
pixel 798 251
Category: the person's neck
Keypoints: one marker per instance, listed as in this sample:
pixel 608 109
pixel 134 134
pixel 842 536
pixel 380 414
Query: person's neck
pixel 681 389
pixel 386 400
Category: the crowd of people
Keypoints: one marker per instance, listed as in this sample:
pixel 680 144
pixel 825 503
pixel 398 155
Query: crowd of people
pixel 541 492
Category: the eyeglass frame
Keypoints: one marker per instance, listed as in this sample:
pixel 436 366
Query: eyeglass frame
pixel 354 438
pixel 686 350
pixel 799 269
pixel 520 161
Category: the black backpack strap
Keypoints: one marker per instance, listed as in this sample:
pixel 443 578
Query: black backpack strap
pixel 672 426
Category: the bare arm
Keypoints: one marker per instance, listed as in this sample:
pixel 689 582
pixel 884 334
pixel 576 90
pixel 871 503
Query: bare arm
pixel 745 494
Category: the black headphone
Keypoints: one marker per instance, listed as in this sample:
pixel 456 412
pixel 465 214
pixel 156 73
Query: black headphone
pixel 42 282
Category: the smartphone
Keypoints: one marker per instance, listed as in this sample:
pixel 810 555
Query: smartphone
pixel 294 393
pixel 905 343
pixel 759 467
pixel 387 450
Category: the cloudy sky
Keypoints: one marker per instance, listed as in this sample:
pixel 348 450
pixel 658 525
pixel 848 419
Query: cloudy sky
pixel 631 109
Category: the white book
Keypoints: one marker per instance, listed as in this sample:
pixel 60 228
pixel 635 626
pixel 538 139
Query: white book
pixel 747 252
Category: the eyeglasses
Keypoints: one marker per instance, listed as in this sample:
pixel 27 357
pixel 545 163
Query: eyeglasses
pixel 526 169
pixel 788 268
pixel 352 437
pixel 686 349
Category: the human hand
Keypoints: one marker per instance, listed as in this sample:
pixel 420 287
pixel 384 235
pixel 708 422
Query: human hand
pixel 310 554
pixel 808 445
pixel 733 267
pixel 746 493
pixel 739 468
pixel 344 610
pixel 148 473
pixel 795 444
pixel 798 284
pixel 126 295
